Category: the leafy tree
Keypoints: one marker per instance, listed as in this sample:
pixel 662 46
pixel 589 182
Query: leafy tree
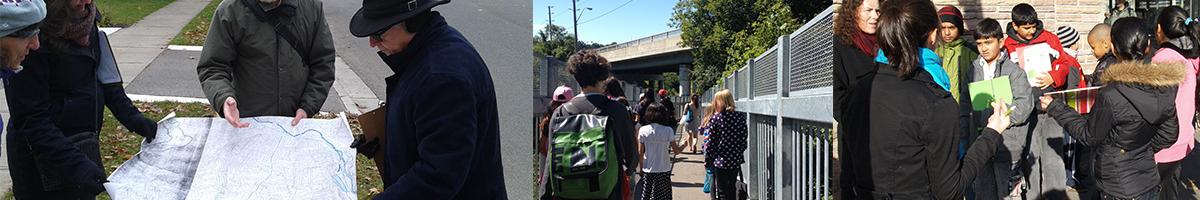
pixel 556 41
pixel 724 34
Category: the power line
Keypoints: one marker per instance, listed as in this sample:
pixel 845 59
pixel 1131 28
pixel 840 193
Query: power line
pixel 609 11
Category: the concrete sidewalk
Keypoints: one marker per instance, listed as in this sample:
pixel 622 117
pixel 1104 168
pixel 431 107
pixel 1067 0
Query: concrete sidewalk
pixel 137 45
pixel 687 181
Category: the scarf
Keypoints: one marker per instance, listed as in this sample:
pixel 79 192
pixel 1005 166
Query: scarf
pixel 930 62
pixel 951 51
pixel 75 27
pixel 866 43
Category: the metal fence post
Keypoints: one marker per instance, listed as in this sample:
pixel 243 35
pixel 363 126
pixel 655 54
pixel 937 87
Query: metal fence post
pixel 736 88
pixel 749 79
pixel 781 57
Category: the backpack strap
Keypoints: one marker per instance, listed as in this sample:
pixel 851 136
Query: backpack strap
pixel 571 108
pixel 281 29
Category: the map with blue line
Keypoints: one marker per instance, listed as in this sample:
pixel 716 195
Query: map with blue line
pixel 205 158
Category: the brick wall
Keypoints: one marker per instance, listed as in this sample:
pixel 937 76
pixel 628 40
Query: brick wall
pixel 1079 14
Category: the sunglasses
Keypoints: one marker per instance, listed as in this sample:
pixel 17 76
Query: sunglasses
pixel 28 31
pixel 378 36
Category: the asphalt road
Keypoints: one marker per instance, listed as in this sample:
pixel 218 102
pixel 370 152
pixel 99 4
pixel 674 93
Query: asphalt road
pixel 499 30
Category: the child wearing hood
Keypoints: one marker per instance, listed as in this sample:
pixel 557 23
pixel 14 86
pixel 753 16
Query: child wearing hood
pixel 1048 172
pixel 1175 33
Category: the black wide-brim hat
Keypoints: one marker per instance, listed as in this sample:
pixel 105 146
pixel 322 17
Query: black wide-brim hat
pixel 379 15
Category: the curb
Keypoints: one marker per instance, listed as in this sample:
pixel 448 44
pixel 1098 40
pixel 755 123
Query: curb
pixel 354 93
pixel 185 48
pixel 155 98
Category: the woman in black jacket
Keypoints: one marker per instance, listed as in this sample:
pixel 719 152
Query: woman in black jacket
pixel 855 48
pixel 57 106
pixel 1133 116
pixel 901 128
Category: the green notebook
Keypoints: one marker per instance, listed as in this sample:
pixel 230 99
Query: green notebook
pixel 984 92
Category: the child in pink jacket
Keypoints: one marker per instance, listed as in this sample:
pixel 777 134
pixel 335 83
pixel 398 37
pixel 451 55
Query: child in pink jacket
pixel 1178 36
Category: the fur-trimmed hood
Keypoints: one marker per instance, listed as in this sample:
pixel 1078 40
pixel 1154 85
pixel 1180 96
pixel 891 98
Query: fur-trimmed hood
pixel 1149 74
pixel 1149 87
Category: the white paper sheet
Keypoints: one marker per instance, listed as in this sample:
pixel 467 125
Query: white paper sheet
pixel 1036 59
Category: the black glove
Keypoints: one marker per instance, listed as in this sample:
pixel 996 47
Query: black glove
pixel 92 185
pixel 89 176
pixel 149 130
pixel 364 146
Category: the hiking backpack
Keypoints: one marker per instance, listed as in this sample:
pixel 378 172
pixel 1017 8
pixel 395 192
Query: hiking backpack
pixel 583 158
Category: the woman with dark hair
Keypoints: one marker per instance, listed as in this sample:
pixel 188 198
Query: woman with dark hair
pixel 63 91
pixel 612 88
pixel 1133 116
pixel 1179 46
pixel 854 49
pixel 654 141
pixel 644 101
pixel 689 123
pixel 614 91
pixel 901 131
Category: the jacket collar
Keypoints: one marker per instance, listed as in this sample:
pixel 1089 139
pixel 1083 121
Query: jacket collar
pixel 953 44
pixel 1000 60
pixel 413 51
pixel 930 62
pixel 919 75
pixel 1149 74
pixel 1183 46
pixel 1037 34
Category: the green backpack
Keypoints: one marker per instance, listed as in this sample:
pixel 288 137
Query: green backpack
pixel 583 158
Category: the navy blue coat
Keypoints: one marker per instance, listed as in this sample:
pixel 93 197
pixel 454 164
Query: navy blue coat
pixel 442 123
pixel 57 105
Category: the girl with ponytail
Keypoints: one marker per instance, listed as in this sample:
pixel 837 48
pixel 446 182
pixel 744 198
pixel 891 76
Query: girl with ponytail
pixel 1133 117
pixel 1176 32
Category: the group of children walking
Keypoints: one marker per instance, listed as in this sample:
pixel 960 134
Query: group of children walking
pixel 594 144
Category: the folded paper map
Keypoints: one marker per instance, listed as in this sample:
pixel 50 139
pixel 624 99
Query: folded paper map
pixel 206 158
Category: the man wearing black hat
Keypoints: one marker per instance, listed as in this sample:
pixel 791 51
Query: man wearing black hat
pixel 442 125
pixel 267 58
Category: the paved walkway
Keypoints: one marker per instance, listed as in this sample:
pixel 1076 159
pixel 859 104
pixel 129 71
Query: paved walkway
pixel 136 46
pixel 688 179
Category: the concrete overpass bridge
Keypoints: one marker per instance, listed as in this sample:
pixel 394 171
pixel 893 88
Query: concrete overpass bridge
pixel 648 58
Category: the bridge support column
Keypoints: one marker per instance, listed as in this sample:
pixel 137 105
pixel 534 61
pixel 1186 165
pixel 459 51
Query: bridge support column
pixel 685 81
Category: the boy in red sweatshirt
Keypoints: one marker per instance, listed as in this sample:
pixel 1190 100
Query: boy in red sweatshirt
pixel 1026 30
pixel 1047 175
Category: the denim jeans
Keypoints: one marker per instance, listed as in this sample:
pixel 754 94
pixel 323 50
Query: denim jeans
pixel 1150 195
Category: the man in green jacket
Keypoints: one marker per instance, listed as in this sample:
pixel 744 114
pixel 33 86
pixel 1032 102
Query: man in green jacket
pixel 274 57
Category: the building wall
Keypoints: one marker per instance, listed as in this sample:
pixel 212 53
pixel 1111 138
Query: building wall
pixel 1079 14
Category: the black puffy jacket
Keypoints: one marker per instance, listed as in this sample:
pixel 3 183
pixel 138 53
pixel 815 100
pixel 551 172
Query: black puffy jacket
pixel 1133 117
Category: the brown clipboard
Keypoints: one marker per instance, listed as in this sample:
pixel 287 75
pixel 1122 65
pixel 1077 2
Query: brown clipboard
pixel 373 123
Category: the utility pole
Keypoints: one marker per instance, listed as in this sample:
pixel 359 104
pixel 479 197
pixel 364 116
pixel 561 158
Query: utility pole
pixel 575 20
pixel 550 19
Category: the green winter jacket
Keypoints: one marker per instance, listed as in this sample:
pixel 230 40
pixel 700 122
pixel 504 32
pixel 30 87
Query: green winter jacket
pixel 244 58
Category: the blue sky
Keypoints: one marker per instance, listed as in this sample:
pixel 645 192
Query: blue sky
pixel 637 19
